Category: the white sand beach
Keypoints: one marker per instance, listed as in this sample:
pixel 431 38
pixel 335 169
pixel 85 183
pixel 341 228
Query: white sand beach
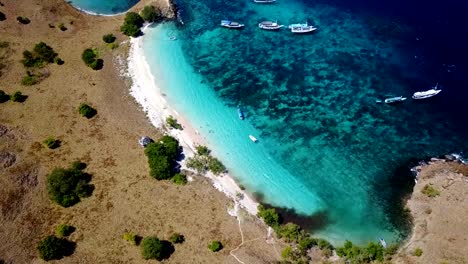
pixel 146 92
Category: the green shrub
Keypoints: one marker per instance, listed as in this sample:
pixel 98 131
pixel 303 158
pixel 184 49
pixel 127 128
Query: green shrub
pixel 40 56
pixel 417 252
pixel 64 230
pixel 90 58
pixel 132 24
pixel 162 157
pixel 23 20
pixel 58 61
pixel 270 216
pixel 287 253
pixel 216 166
pixel 307 243
pixel 203 150
pixel 132 238
pixel 112 45
pixel 172 122
pixel 4 96
pixel 179 179
pixel 324 244
pixel 289 232
pixel 151 14
pixel 430 191
pixel 196 163
pixel 62 27
pixel 51 143
pixel 215 246
pixel 86 111
pixel 18 97
pixel 53 247
pixel 67 186
pixel 153 248
pixel 109 38
pixel 177 238
pixel 29 80
pixel 355 254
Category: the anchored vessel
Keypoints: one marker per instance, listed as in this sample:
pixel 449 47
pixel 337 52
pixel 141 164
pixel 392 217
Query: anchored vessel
pixel 253 138
pixel 301 28
pixel 427 94
pixel 269 25
pixel 264 1
pixel 394 99
pixel 231 24
pixel 240 113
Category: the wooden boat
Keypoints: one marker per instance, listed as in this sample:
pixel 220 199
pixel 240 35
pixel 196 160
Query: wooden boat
pixel 231 24
pixel 269 25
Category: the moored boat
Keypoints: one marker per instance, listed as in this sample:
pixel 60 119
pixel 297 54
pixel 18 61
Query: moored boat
pixel 253 138
pixel 394 99
pixel 269 25
pixel 383 242
pixel 301 28
pixel 427 94
pixel 240 113
pixel 264 1
pixel 231 24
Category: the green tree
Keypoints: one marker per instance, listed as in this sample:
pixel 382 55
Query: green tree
pixel 270 216
pixel 417 252
pixel 151 14
pixel 51 143
pixel 52 247
pixel 289 232
pixel 179 179
pixel 86 111
pixel 132 24
pixel 203 150
pixel 216 166
pixel 177 238
pixel 162 157
pixel 215 246
pixel 18 97
pixel 172 122
pixel 64 230
pixel 109 38
pixel 153 248
pixel 90 58
pixel 40 56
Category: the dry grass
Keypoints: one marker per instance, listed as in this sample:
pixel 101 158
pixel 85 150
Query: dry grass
pixel 125 199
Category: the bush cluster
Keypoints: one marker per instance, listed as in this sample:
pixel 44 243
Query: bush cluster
pixel 172 122
pixel 90 58
pixel 29 80
pixel 162 157
pixel 430 191
pixel 53 247
pixel 62 27
pixel 417 252
pixel 41 55
pixel 203 161
pixel 132 24
pixel 367 254
pixel 86 111
pixel 132 238
pixel 67 186
pixel 18 97
pixel 179 179
pixel 109 38
pixel 153 248
pixel 64 230
pixel 151 14
pixel 215 246
pixel 177 238
pixel 51 143
pixel 23 20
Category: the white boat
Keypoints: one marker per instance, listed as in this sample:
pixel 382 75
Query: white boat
pixel 253 138
pixel 383 242
pixel 427 94
pixel 264 1
pixel 269 25
pixel 231 24
pixel 394 99
pixel 301 28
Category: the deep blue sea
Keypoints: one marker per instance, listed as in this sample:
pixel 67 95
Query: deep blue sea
pixel 329 157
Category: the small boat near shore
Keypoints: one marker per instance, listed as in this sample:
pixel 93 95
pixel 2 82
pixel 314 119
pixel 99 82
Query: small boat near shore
pixel 427 94
pixel 240 113
pixel 301 28
pixel 264 1
pixel 270 25
pixel 392 100
pixel 253 138
pixel 231 24
pixel 383 242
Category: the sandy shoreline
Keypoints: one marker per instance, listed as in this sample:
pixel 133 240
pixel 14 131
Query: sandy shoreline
pixel 146 92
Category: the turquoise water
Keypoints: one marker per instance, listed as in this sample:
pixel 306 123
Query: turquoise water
pixel 104 7
pixel 328 155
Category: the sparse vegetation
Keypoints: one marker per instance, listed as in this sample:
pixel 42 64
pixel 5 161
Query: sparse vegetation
pixel 109 38
pixel 132 238
pixel 203 161
pixel 177 238
pixel 215 246
pixel 41 55
pixel 368 254
pixel 58 61
pixel 153 248
pixel 52 247
pixel 62 27
pixel 67 186
pixel 215 166
pixel 203 150
pixel 51 143
pixel 18 97
pixel 162 157
pixel 90 58
pixel 4 96
pixel 430 191
pixel 179 179
pixel 23 20
pixel 172 122
pixel 132 24
pixel 151 14
pixel 417 252
pixel 86 111
pixel 64 230
pixel 29 80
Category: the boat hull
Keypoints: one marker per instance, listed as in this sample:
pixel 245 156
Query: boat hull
pixel 419 96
